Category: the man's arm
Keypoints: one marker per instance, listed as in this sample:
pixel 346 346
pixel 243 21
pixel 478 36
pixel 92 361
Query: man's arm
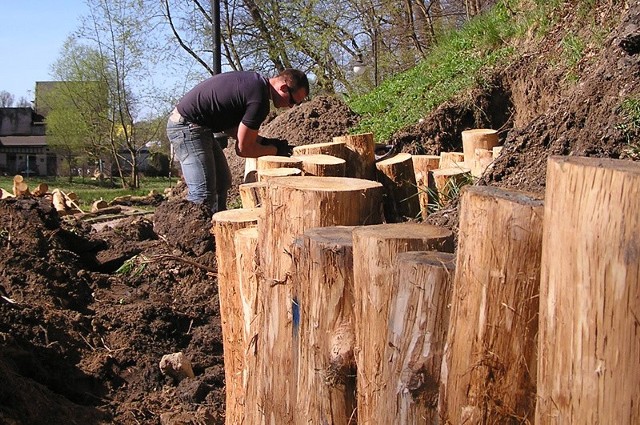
pixel 247 145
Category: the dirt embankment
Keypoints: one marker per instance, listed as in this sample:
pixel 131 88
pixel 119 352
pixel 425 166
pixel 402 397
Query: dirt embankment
pixel 86 316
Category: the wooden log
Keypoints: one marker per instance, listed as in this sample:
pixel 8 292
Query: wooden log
pixel 418 323
pixel 337 149
pixel 589 294
pixel 99 205
pixel 4 194
pixel 323 285
pixel 373 289
pixel 250 170
pixel 452 160
pixel 21 189
pixel 484 138
pixel 423 166
pixel 449 181
pixel 252 194
pixel 361 161
pixel 246 244
pixel 268 162
pixel 225 225
pixel 497 150
pixel 481 160
pixel 40 190
pixel 396 174
pixel 490 372
pixel 323 165
pixel 293 205
pixel 275 173
pixel 59 202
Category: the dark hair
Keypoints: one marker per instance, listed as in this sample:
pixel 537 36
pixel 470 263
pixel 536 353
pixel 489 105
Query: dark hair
pixel 295 79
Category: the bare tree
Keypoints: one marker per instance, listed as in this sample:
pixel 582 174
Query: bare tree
pixel 6 99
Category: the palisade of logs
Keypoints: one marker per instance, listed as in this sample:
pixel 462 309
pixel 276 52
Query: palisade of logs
pixel 346 314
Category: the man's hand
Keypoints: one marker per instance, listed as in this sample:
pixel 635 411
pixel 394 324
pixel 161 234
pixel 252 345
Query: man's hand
pixel 282 146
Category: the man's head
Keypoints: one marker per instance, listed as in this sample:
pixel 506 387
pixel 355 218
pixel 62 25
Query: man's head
pixel 291 87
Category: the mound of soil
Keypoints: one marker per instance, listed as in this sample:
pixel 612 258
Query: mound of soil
pixel 86 315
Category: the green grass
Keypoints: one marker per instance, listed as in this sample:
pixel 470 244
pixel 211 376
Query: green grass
pixel 631 126
pixel 92 190
pixel 452 67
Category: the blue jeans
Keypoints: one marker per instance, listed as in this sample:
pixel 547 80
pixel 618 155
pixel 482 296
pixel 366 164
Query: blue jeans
pixel 204 166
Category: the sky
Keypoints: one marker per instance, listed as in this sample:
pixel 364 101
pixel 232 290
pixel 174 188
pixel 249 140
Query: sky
pixel 32 33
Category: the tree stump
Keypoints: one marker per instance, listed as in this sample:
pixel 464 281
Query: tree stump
pixel 491 344
pixel 323 165
pixel 452 160
pixel 291 206
pixel 423 166
pixel 337 149
pixel 250 170
pixel 484 138
pixel 482 158
pixel 375 249
pixel 252 194
pixel 274 173
pixel 399 180
pixel 418 323
pixel 449 181
pixel 361 161
pixel 268 162
pixel 324 293
pixel 590 294
pixel 225 225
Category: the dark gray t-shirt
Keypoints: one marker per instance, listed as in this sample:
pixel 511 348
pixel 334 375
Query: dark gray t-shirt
pixel 225 100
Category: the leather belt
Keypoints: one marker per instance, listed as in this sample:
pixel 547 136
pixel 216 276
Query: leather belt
pixel 176 118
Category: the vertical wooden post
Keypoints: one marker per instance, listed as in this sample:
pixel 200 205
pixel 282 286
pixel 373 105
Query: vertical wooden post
pixel 589 361
pixel 491 343
pixel 246 244
pixel 423 165
pixel 375 249
pixel 361 161
pixel 293 205
pixel 484 138
pixel 251 194
pixel 268 162
pixel 225 226
pixel 337 149
pixel 323 165
pixel 324 288
pixel 399 180
pixel 418 323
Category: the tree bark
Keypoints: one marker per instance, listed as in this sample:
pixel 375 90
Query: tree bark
pixel 361 161
pixel 399 180
pixel 589 296
pixel 323 165
pixel 490 372
pixel 291 206
pixel 418 323
pixel 225 225
pixel 375 250
pixel 324 292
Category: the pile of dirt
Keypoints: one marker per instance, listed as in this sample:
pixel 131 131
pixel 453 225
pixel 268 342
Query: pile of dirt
pixel 86 315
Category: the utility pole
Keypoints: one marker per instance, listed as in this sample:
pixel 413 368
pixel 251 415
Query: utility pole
pixel 215 26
